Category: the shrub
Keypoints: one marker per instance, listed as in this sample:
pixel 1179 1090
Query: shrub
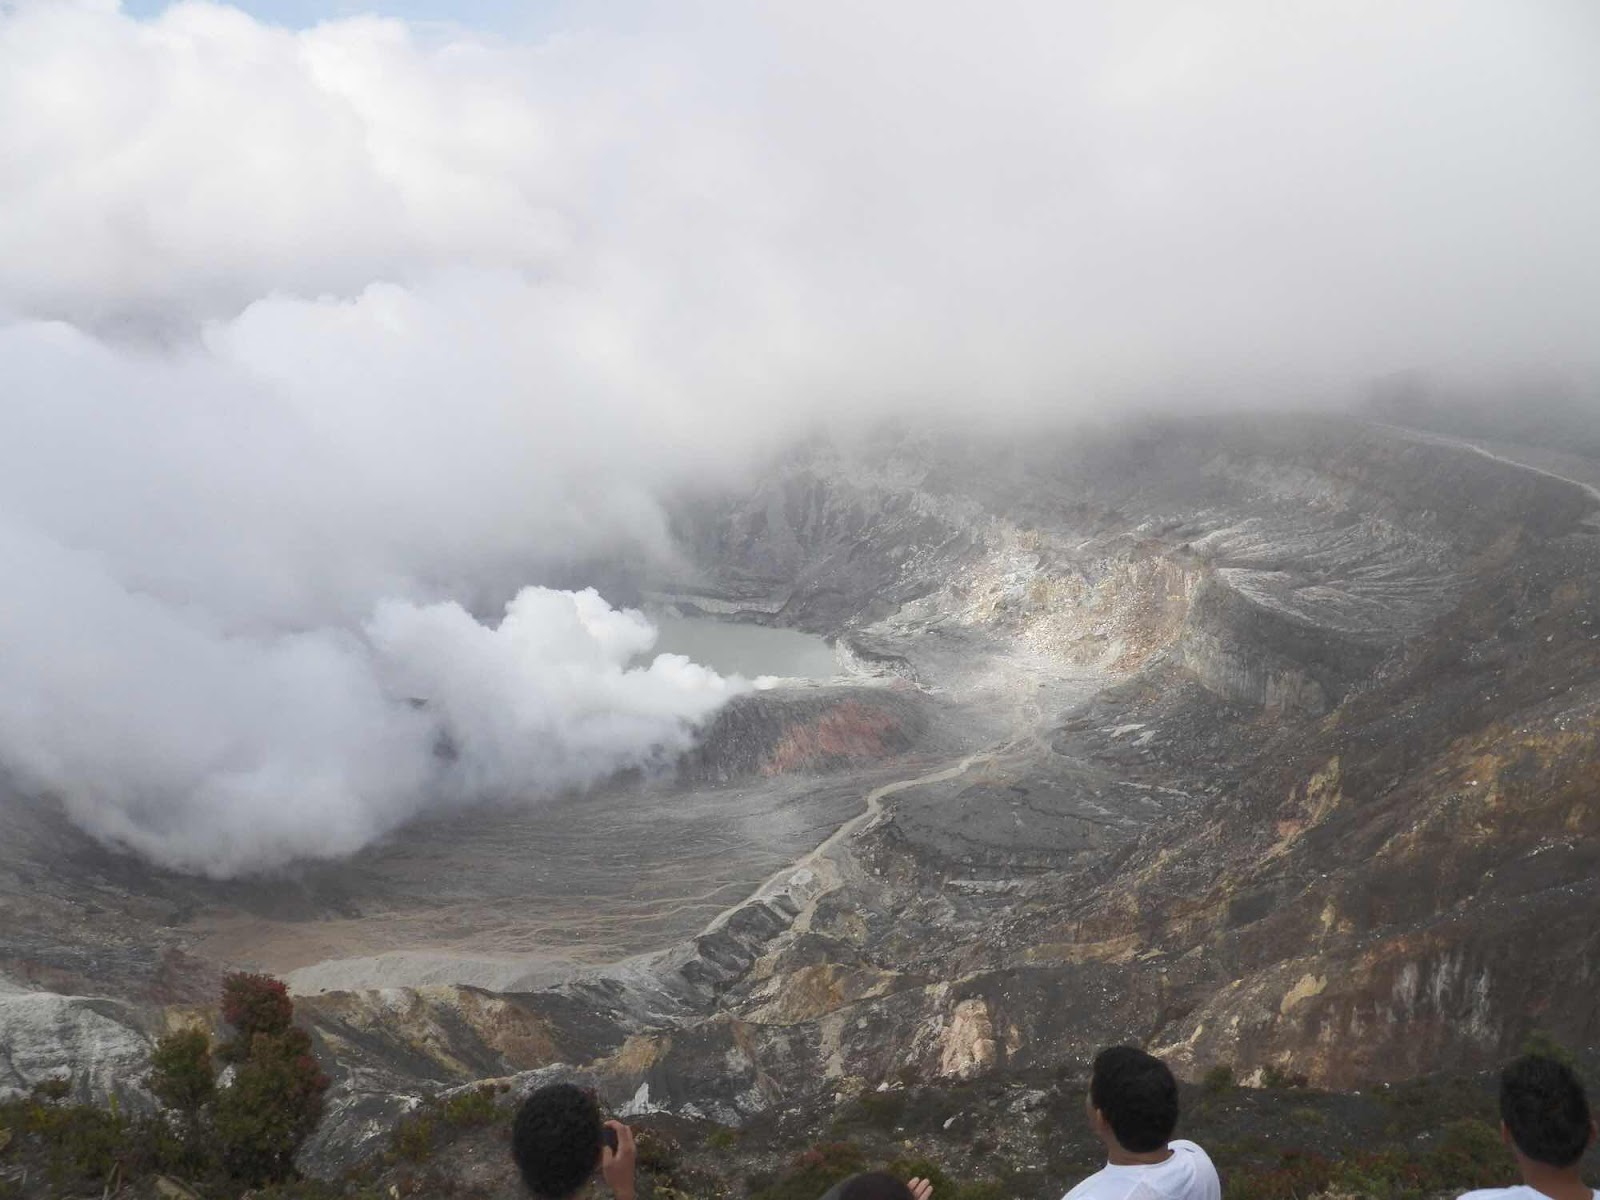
pixel 1546 1046
pixel 821 1167
pixel 253 1004
pixel 276 1097
pixel 315 1189
pixel 1274 1076
pixel 258 1123
pixel 48 1091
pixel 413 1139
pixel 180 1073
pixel 944 1187
pixel 656 1152
pixel 1295 1175
pixel 922 1168
pixel 814 1172
pixel 989 1189
pixel 81 1143
pixel 1469 1155
pixel 274 1104
pixel 470 1109
pixel 882 1110
pixel 88 1141
pixel 1218 1079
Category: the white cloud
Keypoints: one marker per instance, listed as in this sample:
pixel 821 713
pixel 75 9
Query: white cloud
pixel 224 752
pixel 309 336
pixel 548 694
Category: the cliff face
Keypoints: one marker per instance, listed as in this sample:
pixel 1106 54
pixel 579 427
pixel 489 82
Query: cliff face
pixel 1329 806
pixel 1428 850
pixel 1249 653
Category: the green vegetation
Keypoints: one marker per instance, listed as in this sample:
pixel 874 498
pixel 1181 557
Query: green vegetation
pixel 253 1005
pixel 879 1110
pixel 657 1153
pixel 1275 1077
pixel 1469 1155
pixel 418 1136
pixel 225 1139
pixel 413 1138
pixel 974 1141
pixel 276 1098
pixel 816 1170
pixel 315 1189
pixel 472 1108
pixel 1546 1046
pixel 812 1173
pixel 181 1075
pixel 50 1090
pixel 76 1146
pixel 1219 1079
pixel 944 1186
pixel 182 1078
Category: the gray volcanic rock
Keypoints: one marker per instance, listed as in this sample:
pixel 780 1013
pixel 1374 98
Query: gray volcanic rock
pixel 103 1046
pixel 1263 742
pixel 1311 565
pixel 1241 646
pixel 1220 676
pixel 805 729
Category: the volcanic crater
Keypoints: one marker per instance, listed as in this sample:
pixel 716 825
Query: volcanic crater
pixel 1263 740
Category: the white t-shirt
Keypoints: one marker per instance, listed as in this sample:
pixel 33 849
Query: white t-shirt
pixel 1521 1192
pixel 1187 1175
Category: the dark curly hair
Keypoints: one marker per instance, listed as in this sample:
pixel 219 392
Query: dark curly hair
pixel 556 1140
pixel 1544 1107
pixel 874 1185
pixel 1137 1096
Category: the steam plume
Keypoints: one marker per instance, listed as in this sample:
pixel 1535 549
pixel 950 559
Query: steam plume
pixel 317 342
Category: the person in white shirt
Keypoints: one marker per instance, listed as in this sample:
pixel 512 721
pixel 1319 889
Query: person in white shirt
pixel 1544 1118
pixel 1133 1109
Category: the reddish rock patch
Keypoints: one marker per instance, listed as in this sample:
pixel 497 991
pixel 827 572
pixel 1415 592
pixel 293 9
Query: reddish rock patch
pixel 848 733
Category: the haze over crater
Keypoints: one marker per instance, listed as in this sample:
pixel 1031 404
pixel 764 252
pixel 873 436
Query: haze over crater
pixel 320 344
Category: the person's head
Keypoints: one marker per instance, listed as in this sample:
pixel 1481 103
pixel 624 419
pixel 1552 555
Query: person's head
pixel 1544 1111
pixel 873 1185
pixel 556 1140
pixel 1133 1098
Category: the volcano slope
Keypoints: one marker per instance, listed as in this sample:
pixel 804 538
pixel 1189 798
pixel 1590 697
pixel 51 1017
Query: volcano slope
pixel 1326 806
pixel 1266 742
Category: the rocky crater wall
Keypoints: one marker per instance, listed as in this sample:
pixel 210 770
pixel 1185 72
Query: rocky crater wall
pixel 1320 694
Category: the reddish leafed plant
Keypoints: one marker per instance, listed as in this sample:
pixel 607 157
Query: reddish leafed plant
pixel 255 1004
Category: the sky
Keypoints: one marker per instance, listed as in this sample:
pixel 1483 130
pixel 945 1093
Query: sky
pixel 326 340
pixel 494 16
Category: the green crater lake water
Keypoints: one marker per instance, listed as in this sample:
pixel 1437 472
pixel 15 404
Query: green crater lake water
pixel 730 648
